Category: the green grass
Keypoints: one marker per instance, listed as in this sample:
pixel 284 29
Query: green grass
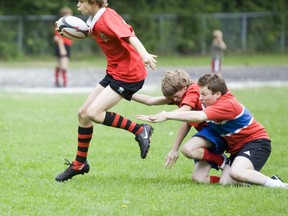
pixel 38 131
pixel 99 61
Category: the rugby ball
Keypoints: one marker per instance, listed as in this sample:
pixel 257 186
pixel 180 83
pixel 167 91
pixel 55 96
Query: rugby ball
pixel 72 27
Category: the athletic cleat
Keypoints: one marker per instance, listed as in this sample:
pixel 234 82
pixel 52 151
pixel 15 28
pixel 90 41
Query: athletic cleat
pixel 143 139
pixel 277 178
pixel 225 162
pixel 72 171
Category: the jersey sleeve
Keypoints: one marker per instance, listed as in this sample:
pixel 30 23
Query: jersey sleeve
pixel 118 25
pixel 223 110
pixel 191 98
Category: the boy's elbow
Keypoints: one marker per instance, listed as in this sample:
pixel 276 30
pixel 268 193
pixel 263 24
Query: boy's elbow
pixel 202 117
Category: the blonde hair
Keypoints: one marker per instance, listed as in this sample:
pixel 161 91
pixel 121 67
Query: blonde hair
pixel 100 3
pixel 174 81
pixel 217 34
pixel 65 11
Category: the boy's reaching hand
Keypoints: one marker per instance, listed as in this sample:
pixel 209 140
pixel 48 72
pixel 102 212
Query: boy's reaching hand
pixel 160 117
pixel 171 159
pixel 150 61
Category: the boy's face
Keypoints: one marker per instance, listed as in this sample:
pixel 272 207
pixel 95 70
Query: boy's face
pixel 207 97
pixel 85 8
pixel 178 95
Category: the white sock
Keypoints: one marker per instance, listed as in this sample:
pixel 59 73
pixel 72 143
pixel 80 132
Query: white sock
pixel 273 183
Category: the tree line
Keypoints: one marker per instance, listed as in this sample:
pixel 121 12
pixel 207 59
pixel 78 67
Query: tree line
pixel 165 26
pixel 133 7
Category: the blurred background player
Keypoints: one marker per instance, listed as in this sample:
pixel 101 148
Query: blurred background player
pixel 62 52
pixel 217 48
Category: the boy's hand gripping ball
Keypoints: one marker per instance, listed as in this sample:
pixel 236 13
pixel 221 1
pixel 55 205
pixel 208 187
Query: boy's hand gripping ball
pixel 72 27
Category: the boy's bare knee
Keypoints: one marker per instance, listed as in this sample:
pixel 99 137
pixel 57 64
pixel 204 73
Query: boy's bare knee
pixel 91 115
pixel 185 151
pixel 189 153
pixel 82 114
pixel 236 174
pixel 94 116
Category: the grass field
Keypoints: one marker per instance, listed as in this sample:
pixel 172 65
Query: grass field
pixel 99 61
pixel 37 131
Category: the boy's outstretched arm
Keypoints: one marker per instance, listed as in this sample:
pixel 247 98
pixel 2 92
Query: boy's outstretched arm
pixel 150 101
pixel 186 116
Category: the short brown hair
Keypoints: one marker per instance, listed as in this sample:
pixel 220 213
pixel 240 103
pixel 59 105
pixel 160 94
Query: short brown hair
pixel 173 81
pixel 214 83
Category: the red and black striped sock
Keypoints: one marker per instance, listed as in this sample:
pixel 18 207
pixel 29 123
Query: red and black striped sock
pixel 64 76
pixel 84 138
pixel 57 71
pixel 115 120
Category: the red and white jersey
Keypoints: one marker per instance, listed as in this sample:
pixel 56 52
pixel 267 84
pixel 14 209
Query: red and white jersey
pixel 111 32
pixel 191 98
pixel 231 120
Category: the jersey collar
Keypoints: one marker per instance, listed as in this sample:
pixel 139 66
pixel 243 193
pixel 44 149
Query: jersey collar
pixel 91 21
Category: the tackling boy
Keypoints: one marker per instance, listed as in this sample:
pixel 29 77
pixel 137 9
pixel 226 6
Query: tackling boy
pixel 205 146
pixel 247 140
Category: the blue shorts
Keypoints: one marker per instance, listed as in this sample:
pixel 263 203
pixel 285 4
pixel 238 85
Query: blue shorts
pixel 219 145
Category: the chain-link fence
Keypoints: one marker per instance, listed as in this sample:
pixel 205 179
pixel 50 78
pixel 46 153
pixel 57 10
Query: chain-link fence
pixel 162 34
pixel 248 32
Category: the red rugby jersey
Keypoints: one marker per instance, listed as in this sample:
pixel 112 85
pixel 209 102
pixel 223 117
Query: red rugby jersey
pixel 123 62
pixel 234 122
pixel 191 98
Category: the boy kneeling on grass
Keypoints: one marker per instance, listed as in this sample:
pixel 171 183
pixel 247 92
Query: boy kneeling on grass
pixel 247 140
pixel 206 147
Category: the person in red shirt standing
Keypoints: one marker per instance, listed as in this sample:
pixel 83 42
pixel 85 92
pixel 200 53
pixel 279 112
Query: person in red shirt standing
pixel 247 140
pixel 62 52
pixel 125 75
